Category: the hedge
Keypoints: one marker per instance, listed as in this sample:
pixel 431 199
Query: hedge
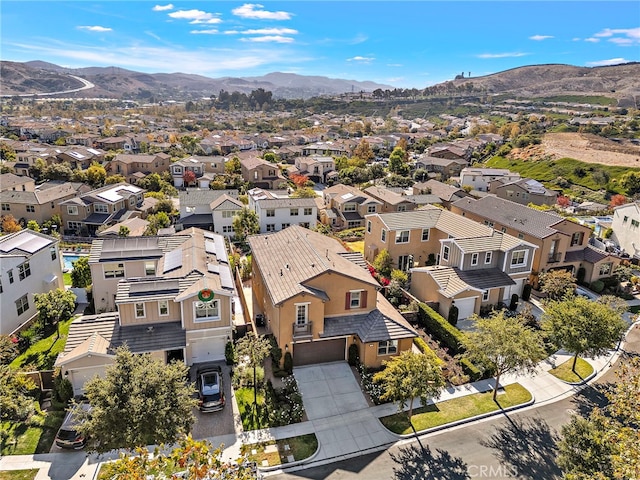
pixel 446 334
pixel 426 349
pixel 470 369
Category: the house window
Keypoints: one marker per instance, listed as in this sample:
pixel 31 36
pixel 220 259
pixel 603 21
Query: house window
pixel 293 212
pixel 72 210
pixel 31 209
pixel 271 213
pixel 22 304
pixel 474 259
pixel 163 308
pixel 150 268
pixel 10 274
pixel 425 234
pixel 576 238
pixel 383 236
pixel 623 221
pixel 371 209
pixel 635 223
pixel 485 295
pixel 349 207
pixel 101 208
pixel 271 227
pixel 519 258
pixel 354 224
pixel 304 224
pixel 229 213
pixel 1 286
pixel 302 313
pixel 308 211
pixel 445 252
pixel 503 229
pixel 402 236
pixel 285 225
pixel 387 347
pixel 207 310
pixel 24 271
pixel 354 300
pixel 54 253
pixel 404 262
pixel 190 209
pixel 605 269
pixel 402 208
pixel 6 207
pixel 74 225
pixel 139 310
pixel 113 270
pixel 487 258
pixel 368 226
pixel 521 236
pixel 227 229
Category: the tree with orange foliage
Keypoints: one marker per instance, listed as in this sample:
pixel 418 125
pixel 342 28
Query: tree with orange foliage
pixel 9 224
pixel 563 201
pixel 617 200
pixel 299 180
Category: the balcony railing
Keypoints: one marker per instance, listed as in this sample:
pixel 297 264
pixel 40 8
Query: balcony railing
pixel 554 258
pixel 302 330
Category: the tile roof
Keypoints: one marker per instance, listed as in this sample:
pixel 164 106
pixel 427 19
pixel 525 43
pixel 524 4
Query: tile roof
pixel 287 202
pixel 513 215
pixel 452 281
pixel 589 254
pixel 496 241
pixel 290 257
pixel 196 196
pixel 225 202
pixel 43 194
pixel 444 191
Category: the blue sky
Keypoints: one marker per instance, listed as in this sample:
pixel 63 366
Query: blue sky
pixel 404 44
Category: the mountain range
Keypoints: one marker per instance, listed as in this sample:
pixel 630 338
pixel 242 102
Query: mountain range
pixel 37 77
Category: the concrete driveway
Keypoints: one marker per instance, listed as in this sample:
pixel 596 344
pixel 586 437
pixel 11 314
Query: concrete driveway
pixel 215 424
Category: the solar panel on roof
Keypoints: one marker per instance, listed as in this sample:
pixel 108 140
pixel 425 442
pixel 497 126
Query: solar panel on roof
pixel 225 277
pixel 172 260
pixel 209 235
pixel 213 268
pixel 210 246
pixel 347 196
pixel 221 251
pixel 26 241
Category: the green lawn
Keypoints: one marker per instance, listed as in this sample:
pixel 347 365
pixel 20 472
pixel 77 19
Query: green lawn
pixel 356 246
pixel 19 474
pixel 566 374
pixel 456 409
pixel 252 418
pixel 66 277
pixel 300 447
pixel 33 436
pixel 42 354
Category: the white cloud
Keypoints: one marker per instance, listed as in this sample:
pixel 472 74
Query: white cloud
pixel 395 65
pixel 621 41
pixel 539 38
pixel 255 10
pixel 270 31
pixel 611 61
pixel 268 39
pixel 359 38
pixel 502 55
pixel 152 35
pixel 592 40
pixel 576 39
pixel 162 8
pixel 621 36
pixel 211 31
pixel 361 59
pixel 94 28
pixel 196 16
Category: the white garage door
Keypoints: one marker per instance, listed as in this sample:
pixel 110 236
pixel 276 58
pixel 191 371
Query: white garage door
pixel 207 349
pixel 79 377
pixel 465 307
pixel 517 288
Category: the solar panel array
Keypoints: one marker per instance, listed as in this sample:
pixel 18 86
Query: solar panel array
pixel 25 241
pixel 225 277
pixel 172 260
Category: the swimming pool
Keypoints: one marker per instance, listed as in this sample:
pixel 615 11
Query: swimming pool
pixel 68 259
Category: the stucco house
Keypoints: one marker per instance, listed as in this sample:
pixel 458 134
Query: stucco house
pixel 626 228
pixel 276 212
pixel 317 299
pixel 346 206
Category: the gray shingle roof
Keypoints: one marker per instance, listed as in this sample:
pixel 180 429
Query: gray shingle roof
pixel 453 281
pixel 203 197
pixel 589 254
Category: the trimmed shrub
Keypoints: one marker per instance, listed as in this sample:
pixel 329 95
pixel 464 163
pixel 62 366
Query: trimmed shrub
pixel 514 302
pixel 445 333
pixel 597 286
pixel 229 353
pixel 288 363
pixel 453 315
pixel 354 356
pixel 62 389
pixel 580 275
pixel 526 292
pixel 470 369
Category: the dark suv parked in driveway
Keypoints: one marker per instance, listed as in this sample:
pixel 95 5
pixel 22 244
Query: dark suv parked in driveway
pixel 68 435
pixel 210 388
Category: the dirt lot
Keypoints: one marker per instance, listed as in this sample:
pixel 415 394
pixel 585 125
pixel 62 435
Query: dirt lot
pixel 591 149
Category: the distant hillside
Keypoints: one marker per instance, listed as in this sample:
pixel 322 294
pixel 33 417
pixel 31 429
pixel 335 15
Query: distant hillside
pixel 37 77
pixel 621 82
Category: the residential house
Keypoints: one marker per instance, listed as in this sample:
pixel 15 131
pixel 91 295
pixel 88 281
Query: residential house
pixel 196 207
pixel 346 206
pixel 85 214
pixel 179 170
pixel 276 213
pixel 261 173
pixel 134 167
pixel 80 157
pixel 443 168
pixel 171 297
pixel 40 204
pixel 523 191
pixel 30 263
pixel 447 193
pixel 317 299
pixel 128 144
pixel 135 226
pixel 204 168
pixel 316 167
pixel 392 201
pixel 84 139
pixel 562 243
pixel 10 181
pixel 626 228
pixel 451 151
pixel 480 178
pixel 223 210
pixel 329 149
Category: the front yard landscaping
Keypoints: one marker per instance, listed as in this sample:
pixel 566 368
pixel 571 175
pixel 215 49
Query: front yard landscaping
pixel 42 353
pixel 19 474
pixel 277 452
pixel 456 409
pixel 34 435
pixel 565 373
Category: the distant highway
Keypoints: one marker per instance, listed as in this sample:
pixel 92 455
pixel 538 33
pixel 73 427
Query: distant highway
pixel 86 86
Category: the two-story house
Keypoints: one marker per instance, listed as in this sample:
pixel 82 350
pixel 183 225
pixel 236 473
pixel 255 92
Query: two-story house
pixel 204 170
pixel 316 167
pixel 480 178
pixel 474 272
pixel 174 300
pixel 523 191
pixel 104 206
pixel 261 173
pixel 19 183
pixel 392 201
pixel 346 206
pixel 30 263
pixel 562 243
pixel 223 210
pixel 134 167
pixel 317 301
pixel 626 228
pixel 276 212
pixel 196 207
pixel 443 168
pixel 445 192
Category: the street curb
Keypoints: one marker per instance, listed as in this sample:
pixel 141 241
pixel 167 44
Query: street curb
pixel 462 421
pixel 284 466
pixel 583 381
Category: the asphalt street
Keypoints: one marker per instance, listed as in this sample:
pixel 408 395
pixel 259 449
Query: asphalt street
pixel 519 445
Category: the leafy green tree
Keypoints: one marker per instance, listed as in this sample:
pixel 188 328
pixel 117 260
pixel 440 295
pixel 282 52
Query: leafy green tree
pixel 156 222
pixel 33 225
pixel 79 176
pixel 507 345
pixel 37 170
pixel 233 166
pixel 113 179
pixel 630 181
pixel 270 157
pixel 408 376
pixel 96 175
pixel 152 182
pixel 15 402
pixel 557 284
pixel 253 349
pixel 397 162
pixel 245 223
pixel 304 192
pixel 140 401
pixel 58 171
pixel 584 452
pixel 583 327
pixel 7 153
pixel 81 273
pixel 54 306
pixel 383 263
pixel 8 349
pixel 123 231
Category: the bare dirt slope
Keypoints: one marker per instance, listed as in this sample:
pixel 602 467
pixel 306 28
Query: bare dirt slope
pixel 591 149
